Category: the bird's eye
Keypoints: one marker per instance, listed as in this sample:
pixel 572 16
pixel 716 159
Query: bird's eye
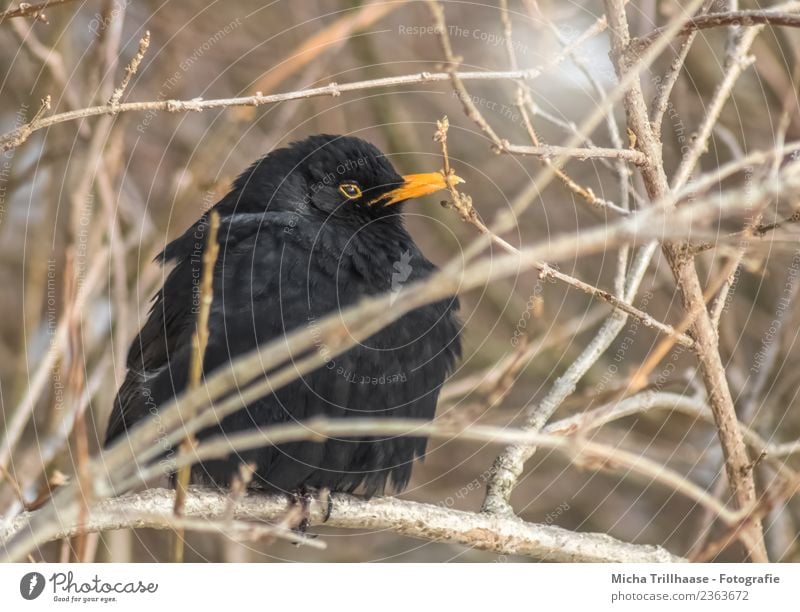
pixel 350 190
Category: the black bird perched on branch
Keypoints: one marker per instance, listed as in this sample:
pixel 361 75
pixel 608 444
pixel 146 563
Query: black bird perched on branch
pixel 306 230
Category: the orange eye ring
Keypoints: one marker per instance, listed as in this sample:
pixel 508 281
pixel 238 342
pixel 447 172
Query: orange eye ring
pixel 350 190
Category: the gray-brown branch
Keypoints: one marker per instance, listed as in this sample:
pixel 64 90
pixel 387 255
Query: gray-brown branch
pixel 507 536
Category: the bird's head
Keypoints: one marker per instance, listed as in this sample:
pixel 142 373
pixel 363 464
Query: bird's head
pixel 342 176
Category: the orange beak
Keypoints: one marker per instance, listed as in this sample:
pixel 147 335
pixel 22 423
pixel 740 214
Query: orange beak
pixel 416 186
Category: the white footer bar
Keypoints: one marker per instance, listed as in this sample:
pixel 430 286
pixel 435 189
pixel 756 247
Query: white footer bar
pixel 396 587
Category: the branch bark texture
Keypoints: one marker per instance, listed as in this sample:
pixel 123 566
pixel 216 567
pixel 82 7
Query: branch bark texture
pixel 507 536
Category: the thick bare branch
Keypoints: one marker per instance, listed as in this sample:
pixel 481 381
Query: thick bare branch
pixel 507 536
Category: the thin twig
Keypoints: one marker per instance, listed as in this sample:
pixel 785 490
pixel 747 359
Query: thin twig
pixel 22 413
pixel 30 10
pixel 199 344
pixel 524 101
pixel 771 17
pixel 130 70
pixel 578 153
pixel 463 205
pixel 18 136
pixel 665 85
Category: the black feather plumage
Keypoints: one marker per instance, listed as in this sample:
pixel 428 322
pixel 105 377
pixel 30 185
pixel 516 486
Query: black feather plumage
pixel 293 248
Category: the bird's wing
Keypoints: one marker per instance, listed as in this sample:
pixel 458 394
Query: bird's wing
pixel 168 327
pixel 158 359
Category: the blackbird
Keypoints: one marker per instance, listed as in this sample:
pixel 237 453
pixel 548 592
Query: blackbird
pixel 306 230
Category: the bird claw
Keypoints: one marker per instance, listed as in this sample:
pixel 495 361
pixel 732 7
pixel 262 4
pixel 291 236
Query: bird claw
pixel 302 497
pixel 305 497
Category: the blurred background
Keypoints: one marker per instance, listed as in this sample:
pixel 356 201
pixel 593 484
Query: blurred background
pixel 96 199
